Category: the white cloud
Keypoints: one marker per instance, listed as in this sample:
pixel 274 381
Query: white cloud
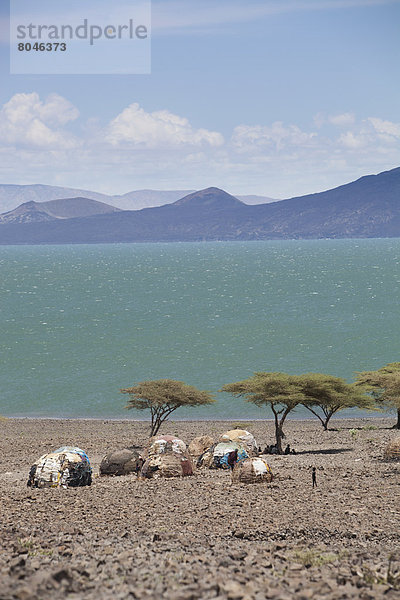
pixel 157 129
pixel 342 120
pixel 163 150
pixel 275 137
pixel 372 134
pixel 56 110
pixel 385 127
pixel 352 141
pixel 26 120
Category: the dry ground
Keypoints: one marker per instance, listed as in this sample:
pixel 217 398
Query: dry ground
pixel 201 536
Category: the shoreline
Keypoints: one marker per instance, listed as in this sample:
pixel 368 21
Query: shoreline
pixel 183 420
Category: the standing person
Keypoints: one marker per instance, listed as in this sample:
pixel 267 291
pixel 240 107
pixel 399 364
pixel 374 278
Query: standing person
pixel 232 459
pixel 139 464
pixel 314 477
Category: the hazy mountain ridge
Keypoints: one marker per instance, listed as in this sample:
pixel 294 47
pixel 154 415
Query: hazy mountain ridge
pixel 209 198
pixel 29 212
pixel 368 207
pixel 66 208
pixel 12 196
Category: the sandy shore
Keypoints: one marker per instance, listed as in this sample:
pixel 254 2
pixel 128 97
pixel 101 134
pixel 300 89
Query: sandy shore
pixel 201 536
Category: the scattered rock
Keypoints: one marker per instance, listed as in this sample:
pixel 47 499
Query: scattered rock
pixel 201 537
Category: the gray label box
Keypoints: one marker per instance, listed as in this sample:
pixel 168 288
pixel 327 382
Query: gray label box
pixel 80 37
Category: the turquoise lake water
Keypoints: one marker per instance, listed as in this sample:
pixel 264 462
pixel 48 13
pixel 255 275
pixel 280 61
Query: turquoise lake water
pixel 80 322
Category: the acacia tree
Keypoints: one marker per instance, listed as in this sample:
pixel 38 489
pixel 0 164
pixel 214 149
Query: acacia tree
pixel 162 397
pixel 281 392
pixel 325 395
pixel 384 385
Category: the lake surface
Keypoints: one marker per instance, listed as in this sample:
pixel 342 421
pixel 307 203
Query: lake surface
pixel 80 322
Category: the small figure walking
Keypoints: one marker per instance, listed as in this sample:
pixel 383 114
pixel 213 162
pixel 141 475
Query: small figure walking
pixel 314 477
pixel 232 459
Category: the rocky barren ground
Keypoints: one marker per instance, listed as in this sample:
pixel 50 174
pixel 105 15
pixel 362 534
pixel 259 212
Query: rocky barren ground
pixel 202 537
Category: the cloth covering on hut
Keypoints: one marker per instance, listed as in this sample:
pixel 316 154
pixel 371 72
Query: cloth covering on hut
pixel 121 462
pixel 199 445
pixel 166 443
pixel 242 437
pixel 167 456
pixel 67 466
pixel 252 470
pixel 392 450
pixel 216 457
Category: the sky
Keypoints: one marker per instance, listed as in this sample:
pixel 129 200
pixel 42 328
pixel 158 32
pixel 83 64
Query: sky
pixel 272 97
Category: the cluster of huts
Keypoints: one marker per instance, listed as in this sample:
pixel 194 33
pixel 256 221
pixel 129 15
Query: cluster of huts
pixel 164 456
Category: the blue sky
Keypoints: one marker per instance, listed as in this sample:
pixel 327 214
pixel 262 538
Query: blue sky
pixel 279 98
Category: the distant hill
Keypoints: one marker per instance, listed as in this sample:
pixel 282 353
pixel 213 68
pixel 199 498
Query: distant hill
pixel 211 198
pixel 66 208
pixel 12 196
pixel 253 199
pixel 148 198
pixel 368 207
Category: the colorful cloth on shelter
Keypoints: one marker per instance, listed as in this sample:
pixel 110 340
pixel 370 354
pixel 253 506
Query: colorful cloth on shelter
pixel 167 456
pixel 67 466
pixel 216 457
pixel 242 437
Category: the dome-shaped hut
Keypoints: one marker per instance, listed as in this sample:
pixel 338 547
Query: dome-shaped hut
pixel 199 445
pixel 392 450
pixel 162 444
pixel 252 470
pixel 242 437
pixel 121 462
pixel 167 456
pixel 67 466
pixel 216 457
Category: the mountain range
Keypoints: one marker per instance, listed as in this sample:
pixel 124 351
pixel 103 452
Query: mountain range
pixel 11 196
pixel 368 207
pixel 65 208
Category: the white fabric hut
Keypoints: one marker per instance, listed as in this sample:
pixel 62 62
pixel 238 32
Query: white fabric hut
pixel 166 443
pixel 67 466
pixel 216 457
pixel 252 470
pixel 242 437
pixel 167 456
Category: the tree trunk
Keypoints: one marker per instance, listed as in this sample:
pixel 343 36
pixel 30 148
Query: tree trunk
pixel 278 437
pixel 278 432
pixel 154 428
pixel 158 416
pixel 323 423
pixel 328 418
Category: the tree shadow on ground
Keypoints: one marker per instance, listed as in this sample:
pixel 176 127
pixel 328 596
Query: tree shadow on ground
pixel 326 451
pixel 364 428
